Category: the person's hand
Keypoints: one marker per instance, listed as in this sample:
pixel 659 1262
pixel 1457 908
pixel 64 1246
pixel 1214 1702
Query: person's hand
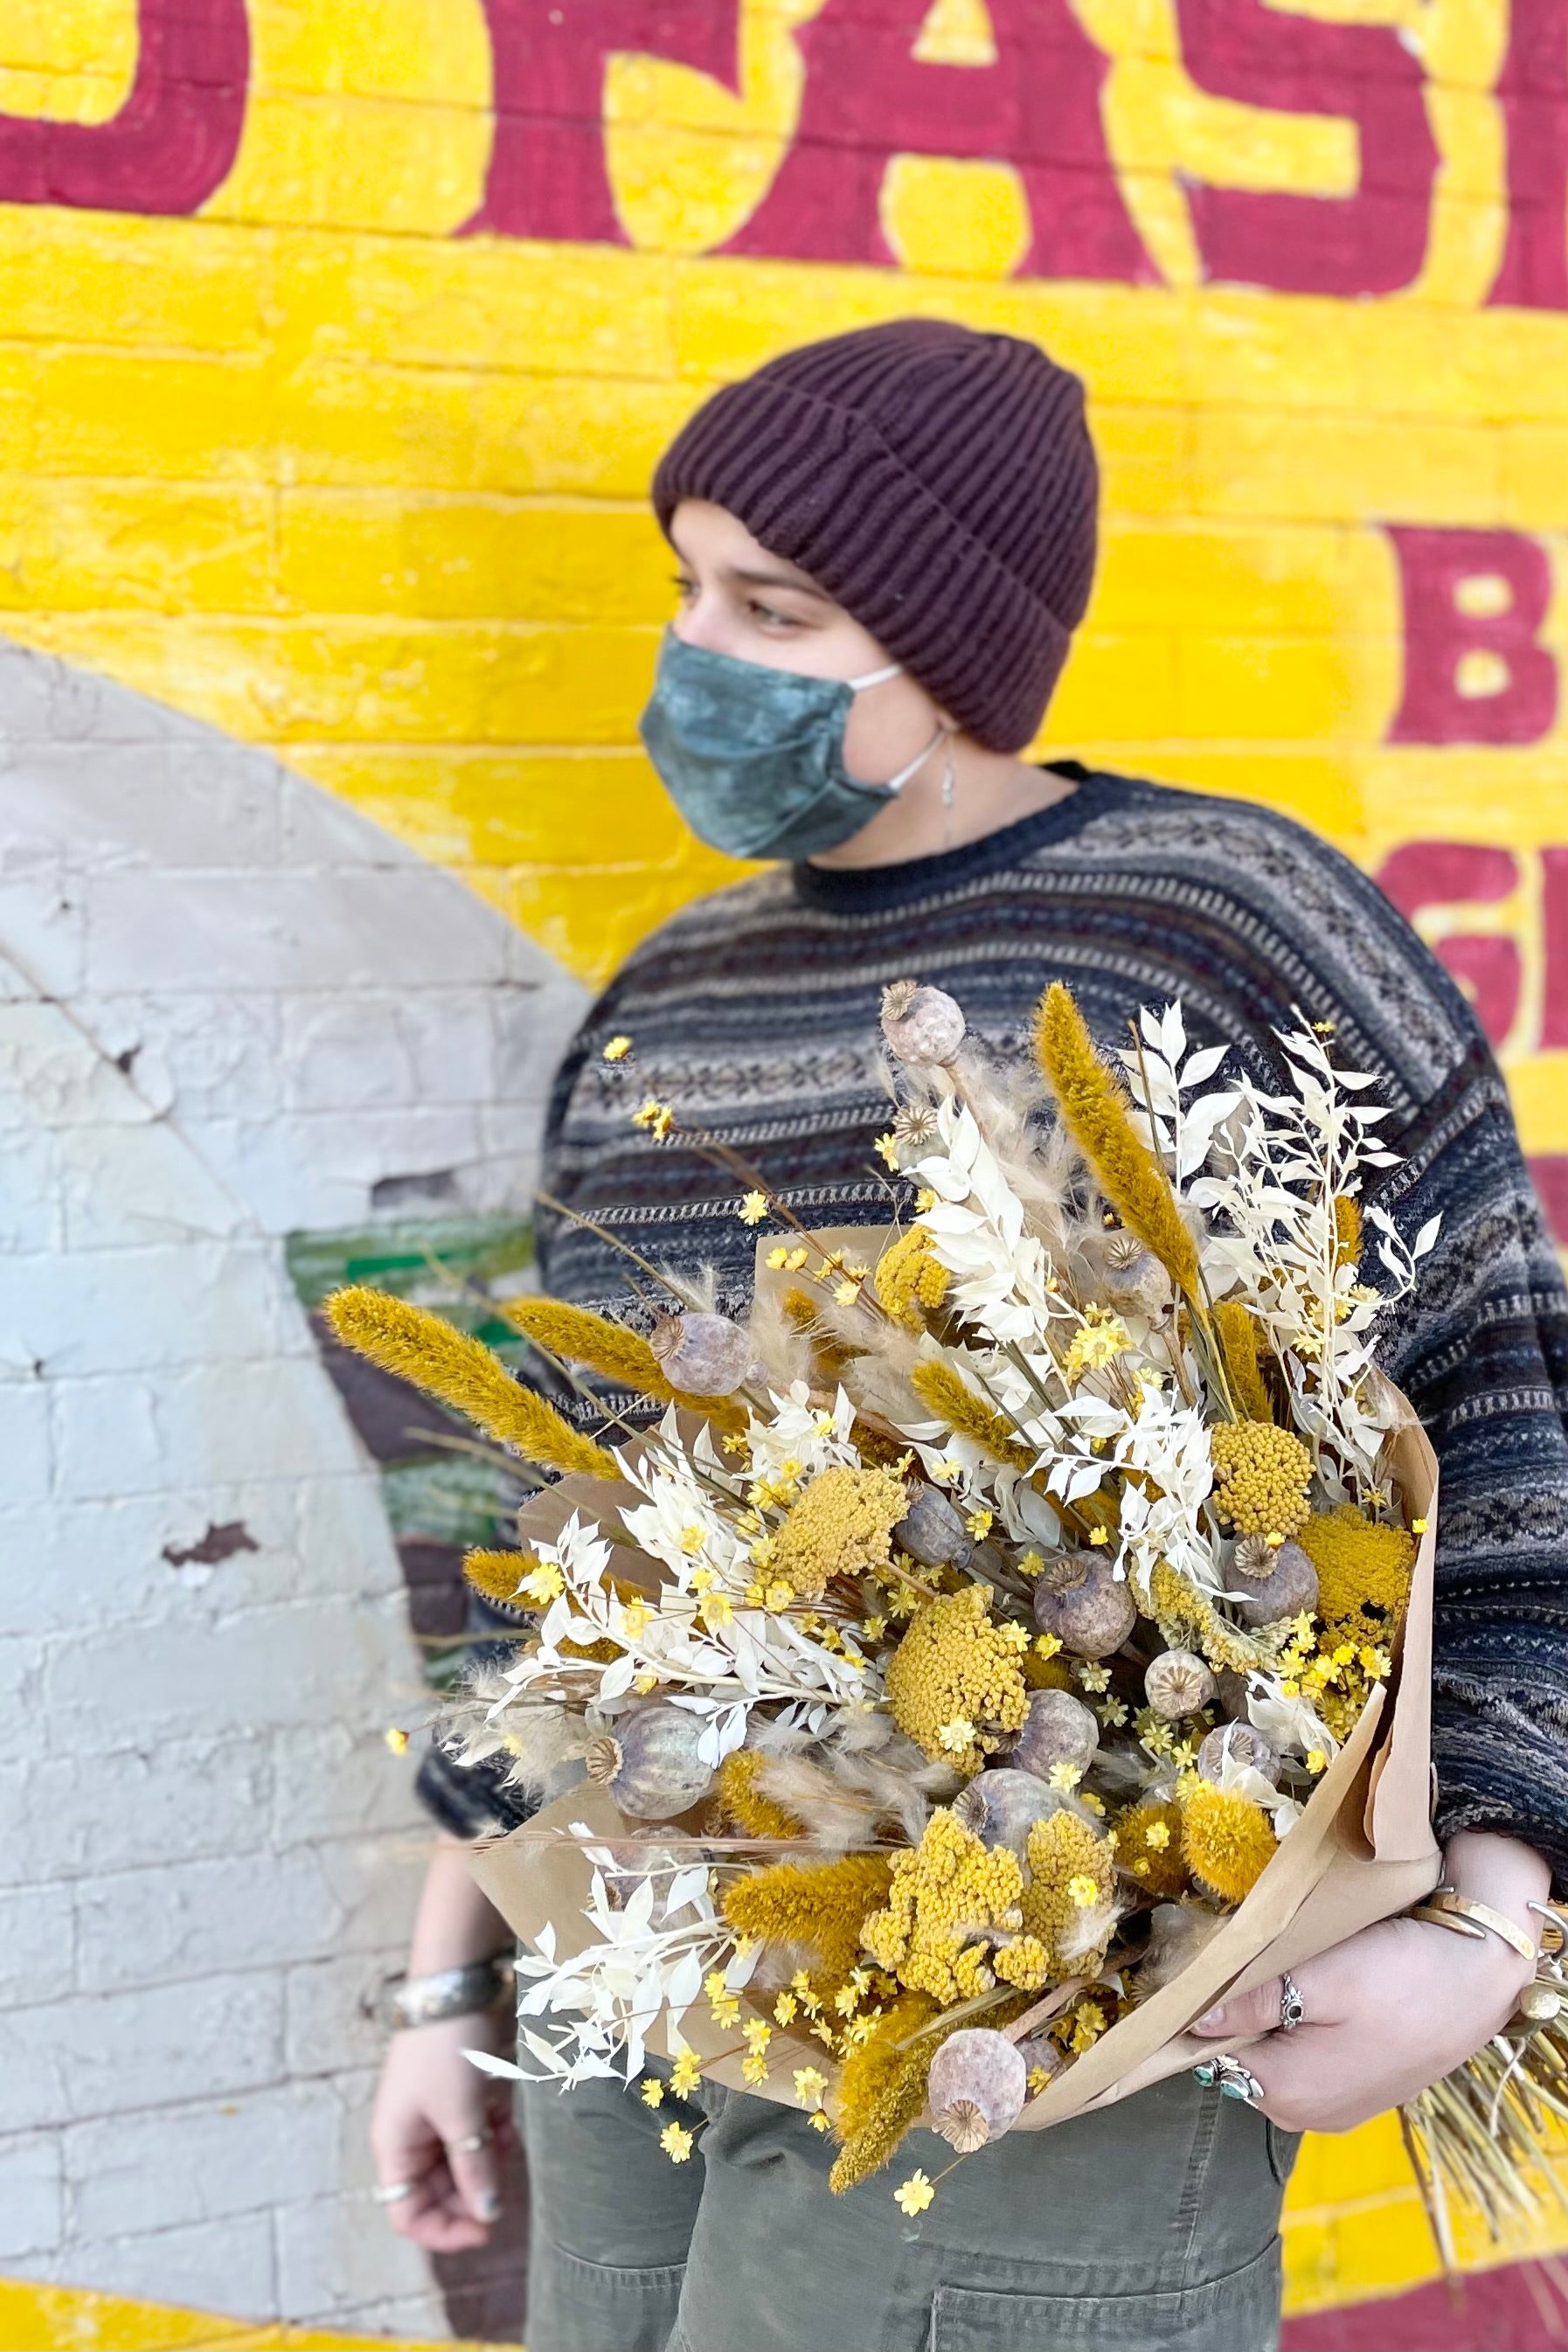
pixel 1389 2013
pixel 430 2102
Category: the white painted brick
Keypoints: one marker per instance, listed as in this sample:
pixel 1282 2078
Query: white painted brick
pixel 336 2252
pixel 32 1211
pixel 236 1420
pixel 534 1025
pixel 99 1563
pixel 32 2204
pixel 192 1919
pixel 43 923
pixel 45 700
pixel 192 1797
pixel 221 2266
pixel 158 805
pixel 321 831
pixel 122 1186
pixel 211 1048
pixel 330 1779
pixel 325 2022
pixel 280 1666
pixel 45 1061
pixel 374 1049
pixel 134 1309
pixel 26 1446
pixel 121 2054
pixel 215 2157
pixel 37 1943
pixel 381 929
pixel 21 1679
pixel 320 1167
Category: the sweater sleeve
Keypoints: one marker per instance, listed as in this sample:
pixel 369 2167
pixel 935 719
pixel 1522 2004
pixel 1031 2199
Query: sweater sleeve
pixel 1481 1349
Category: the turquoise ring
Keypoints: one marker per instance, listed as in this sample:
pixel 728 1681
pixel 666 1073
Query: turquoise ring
pixel 1231 2078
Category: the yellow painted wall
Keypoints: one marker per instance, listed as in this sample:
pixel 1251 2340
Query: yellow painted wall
pixel 315 467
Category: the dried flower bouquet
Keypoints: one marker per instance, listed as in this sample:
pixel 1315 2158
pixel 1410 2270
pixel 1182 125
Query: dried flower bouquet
pixel 926 1694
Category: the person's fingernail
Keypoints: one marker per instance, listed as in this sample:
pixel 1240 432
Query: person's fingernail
pixel 487 2205
pixel 1211 2021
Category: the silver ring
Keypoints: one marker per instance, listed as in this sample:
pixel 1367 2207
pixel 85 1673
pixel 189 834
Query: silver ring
pixel 1231 2078
pixel 474 2141
pixel 1293 2008
pixel 393 2192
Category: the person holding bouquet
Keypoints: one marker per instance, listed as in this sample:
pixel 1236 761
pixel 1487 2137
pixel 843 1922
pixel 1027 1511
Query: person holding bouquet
pixel 883 544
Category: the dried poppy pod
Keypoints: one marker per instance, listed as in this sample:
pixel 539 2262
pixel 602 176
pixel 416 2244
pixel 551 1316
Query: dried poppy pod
pixel 1081 1600
pixel 1177 1683
pixel 932 1531
pixel 1271 1580
pixel 921 1024
pixel 1237 1744
pixel 977 2088
pixel 1002 1806
pixel 1057 1730
pixel 705 1355
pixel 649 1763
pixel 1131 1276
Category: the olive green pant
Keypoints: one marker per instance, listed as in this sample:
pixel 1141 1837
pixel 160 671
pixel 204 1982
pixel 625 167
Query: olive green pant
pixel 1152 2224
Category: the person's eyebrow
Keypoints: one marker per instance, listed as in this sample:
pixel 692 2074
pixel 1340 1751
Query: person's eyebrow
pixel 795 580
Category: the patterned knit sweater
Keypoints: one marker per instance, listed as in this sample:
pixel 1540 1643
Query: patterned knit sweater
pixel 754 1011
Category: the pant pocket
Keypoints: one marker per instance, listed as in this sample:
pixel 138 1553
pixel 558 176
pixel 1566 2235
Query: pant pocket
pixel 1239 2313
pixel 576 2306
pixel 1283 2148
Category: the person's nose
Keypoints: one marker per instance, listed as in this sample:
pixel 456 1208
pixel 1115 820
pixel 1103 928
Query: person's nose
pixel 704 620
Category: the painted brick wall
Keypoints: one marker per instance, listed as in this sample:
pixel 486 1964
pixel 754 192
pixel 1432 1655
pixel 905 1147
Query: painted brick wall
pixel 336 345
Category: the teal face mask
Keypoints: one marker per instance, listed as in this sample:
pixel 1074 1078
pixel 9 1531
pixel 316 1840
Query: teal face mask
pixel 753 758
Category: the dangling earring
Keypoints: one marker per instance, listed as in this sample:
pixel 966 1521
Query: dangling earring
pixel 949 794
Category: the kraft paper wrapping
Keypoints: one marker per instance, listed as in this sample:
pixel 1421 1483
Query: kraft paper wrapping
pixel 1361 1850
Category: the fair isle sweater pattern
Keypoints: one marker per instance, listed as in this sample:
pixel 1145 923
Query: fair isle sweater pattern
pixel 754 1013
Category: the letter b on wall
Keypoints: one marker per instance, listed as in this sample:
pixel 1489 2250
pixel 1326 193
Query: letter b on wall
pixel 1474 669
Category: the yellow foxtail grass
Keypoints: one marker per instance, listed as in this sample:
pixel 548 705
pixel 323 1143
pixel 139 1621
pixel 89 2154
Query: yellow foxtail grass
pixel 876 2111
pixel 462 1372
pixel 953 1400
pixel 1363 1573
pixel 1096 1116
pixel 1149 1848
pixel 747 1804
pixel 1237 1333
pixel 870 2069
pixel 1347 1229
pixel 821 1905
pixel 609 1348
pixel 497 1574
pixel 802 1310
pixel 1226 1840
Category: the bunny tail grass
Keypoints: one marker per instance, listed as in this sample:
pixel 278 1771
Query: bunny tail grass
pixel 430 1354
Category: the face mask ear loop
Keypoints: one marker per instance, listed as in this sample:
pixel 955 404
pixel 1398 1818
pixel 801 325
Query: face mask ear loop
pixel 896 784
pixel 949 794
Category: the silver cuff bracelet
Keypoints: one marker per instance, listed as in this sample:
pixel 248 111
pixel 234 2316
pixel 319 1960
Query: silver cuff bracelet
pixel 449 1992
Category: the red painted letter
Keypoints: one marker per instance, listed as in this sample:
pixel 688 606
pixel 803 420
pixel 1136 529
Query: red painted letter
pixel 174 140
pixel 1457 873
pixel 547 175
pixel 868 98
pixel 1438 633
pixel 1371 243
pixel 1533 94
pixel 1553 950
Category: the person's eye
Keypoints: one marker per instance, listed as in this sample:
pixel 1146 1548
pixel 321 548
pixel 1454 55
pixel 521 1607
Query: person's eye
pixel 685 588
pixel 768 616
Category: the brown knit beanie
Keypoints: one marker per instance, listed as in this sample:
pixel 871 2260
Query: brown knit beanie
pixel 939 484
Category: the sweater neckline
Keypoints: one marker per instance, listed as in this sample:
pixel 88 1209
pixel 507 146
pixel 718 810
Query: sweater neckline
pixel 861 889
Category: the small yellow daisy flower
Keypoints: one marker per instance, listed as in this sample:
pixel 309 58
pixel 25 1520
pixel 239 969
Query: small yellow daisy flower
pixel 754 1208
pixel 653 2092
pixel 810 2084
pixel 395 1739
pixel 1065 1777
pixel 819 2120
pixel 676 2142
pixel 785 2008
pixel 958 1736
pixel 618 1049
pixel 685 2074
pixel 1083 1891
pixel 914 2194
pixel 888 1151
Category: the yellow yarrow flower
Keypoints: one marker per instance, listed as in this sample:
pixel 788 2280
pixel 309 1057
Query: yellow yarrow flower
pixel 954 1667
pixel 914 2194
pixel 1261 1475
pixel 841 1525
